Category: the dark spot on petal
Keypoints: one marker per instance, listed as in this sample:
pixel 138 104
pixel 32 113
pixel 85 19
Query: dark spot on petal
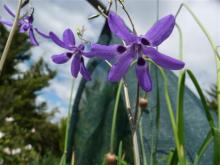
pixel 81 59
pixel 144 41
pixel 121 49
pixel 141 61
pixel 69 55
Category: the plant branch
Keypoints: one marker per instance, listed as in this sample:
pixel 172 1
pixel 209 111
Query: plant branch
pixel 10 38
pixel 128 15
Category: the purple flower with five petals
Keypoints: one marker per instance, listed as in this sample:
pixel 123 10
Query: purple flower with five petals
pixel 75 52
pixel 137 48
pixel 25 24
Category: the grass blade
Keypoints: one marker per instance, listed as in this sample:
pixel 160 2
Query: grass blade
pixel 216 156
pixel 203 147
pixel 202 97
pixel 180 103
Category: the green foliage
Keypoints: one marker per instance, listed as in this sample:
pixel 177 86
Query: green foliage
pixel 18 93
pixel 212 101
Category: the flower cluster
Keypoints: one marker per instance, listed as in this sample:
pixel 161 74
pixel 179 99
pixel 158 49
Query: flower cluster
pixel 137 48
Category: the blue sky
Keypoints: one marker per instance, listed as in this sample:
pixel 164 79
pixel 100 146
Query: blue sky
pixel 56 15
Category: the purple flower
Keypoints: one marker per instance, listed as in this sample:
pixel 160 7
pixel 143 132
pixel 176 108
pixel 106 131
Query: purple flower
pixel 137 47
pixel 74 52
pixel 25 24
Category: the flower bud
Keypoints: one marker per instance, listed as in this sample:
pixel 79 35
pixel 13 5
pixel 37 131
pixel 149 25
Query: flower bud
pixel 110 159
pixel 143 102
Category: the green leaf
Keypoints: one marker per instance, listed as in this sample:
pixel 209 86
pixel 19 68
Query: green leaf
pixel 203 148
pixel 216 156
pixel 180 103
pixel 202 97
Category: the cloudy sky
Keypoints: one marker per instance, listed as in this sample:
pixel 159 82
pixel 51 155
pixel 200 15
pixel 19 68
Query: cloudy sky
pixel 56 15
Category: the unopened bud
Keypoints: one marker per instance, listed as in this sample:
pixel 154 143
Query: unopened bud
pixel 110 159
pixel 143 102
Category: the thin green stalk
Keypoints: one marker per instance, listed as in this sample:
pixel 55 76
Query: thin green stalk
pixel 62 160
pixel 203 148
pixel 180 150
pixel 142 144
pixel 128 15
pixel 11 36
pixel 119 161
pixel 214 48
pixel 172 118
pixel 67 124
pixel 180 42
pixel 136 106
pixel 115 117
pixel 130 119
pixel 156 130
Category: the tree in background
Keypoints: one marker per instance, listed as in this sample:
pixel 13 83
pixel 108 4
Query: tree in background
pixel 212 101
pixel 25 130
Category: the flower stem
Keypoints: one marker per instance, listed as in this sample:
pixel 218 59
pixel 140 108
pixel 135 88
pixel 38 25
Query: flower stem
pixel 214 48
pixel 63 159
pixel 180 149
pixel 10 38
pixel 132 126
pixel 128 15
pixel 115 116
pixel 180 42
pixel 142 144
pixel 136 106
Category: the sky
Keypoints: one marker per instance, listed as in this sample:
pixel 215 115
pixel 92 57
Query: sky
pixel 57 15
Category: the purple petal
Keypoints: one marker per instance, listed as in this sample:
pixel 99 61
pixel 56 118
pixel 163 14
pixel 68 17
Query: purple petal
pixel 105 52
pixel 9 11
pixel 75 66
pixel 61 58
pixel 120 69
pixel 8 23
pixel 32 37
pixel 85 73
pixel 143 76
pixel 163 60
pixel 161 30
pixel 56 40
pixel 68 38
pixel 119 28
pixel 41 33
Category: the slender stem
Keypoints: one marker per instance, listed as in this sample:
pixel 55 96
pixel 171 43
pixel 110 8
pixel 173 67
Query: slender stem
pixel 63 161
pixel 128 106
pixel 115 116
pixel 180 42
pixel 10 38
pixel 69 115
pixel 214 48
pixel 142 143
pixel 128 15
pixel 101 11
pixel 136 149
pixel 180 150
pixel 110 5
pixel 116 6
pixel 136 106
